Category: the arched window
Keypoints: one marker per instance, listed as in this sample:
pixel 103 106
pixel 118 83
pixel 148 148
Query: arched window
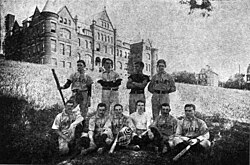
pixel 148 56
pixel 97 61
pixel 98 36
pixel 87 44
pixel 65 20
pixel 98 47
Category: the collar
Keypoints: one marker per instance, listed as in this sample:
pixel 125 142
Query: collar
pixel 163 72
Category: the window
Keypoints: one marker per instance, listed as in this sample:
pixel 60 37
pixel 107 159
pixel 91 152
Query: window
pixel 43 30
pixel 108 39
pixel 34 48
pixel 102 36
pixel 65 20
pixel 149 68
pixel 65 33
pixel 117 52
pixel 120 53
pixel 107 25
pixel 62 63
pixel 90 44
pixel 61 19
pixel 69 22
pixel 98 35
pixel 62 49
pixel 126 66
pixel 38 47
pixel 106 49
pixel 54 62
pixel 68 50
pixel 53 45
pixel 79 41
pixel 42 46
pixel 146 67
pixel 53 27
pixel 69 65
pixel 87 44
pixel 97 61
pixel 111 50
pixel 98 47
pixel 125 55
pixel 148 56
pixel 105 38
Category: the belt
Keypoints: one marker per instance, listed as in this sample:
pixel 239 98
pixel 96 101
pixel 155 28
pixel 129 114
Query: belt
pixel 160 92
pixel 77 90
pixel 109 88
pixel 137 92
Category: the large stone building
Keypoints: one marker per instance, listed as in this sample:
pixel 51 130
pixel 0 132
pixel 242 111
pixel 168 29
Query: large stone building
pixel 54 37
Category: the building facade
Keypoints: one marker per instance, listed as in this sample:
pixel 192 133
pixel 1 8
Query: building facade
pixel 208 77
pixel 53 37
pixel 145 52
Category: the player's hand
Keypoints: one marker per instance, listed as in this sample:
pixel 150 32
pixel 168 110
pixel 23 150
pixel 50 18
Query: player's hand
pixel 108 141
pixel 150 134
pixel 92 145
pixel 193 141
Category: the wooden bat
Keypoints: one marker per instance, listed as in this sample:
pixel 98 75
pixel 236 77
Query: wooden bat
pixel 58 85
pixel 181 153
pixel 114 144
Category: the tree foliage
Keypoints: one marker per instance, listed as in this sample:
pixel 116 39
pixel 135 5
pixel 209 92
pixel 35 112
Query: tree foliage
pixel 236 82
pixel 184 77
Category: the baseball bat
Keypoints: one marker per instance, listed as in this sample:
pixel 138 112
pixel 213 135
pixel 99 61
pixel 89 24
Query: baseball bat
pixel 181 153
pixel 58 85
pixel 114 144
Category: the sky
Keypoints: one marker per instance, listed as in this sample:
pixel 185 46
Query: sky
pixel 186 42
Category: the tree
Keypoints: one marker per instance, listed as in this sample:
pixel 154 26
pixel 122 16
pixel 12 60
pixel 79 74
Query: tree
pixel 184 77
pixel 236 82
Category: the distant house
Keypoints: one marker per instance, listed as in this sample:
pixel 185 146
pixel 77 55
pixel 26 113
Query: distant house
pixel 248 78
pixel 208 77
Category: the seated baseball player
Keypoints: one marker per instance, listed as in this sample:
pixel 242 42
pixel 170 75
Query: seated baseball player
pixel 163 129
pixel 191 131
pixel 65 124
pixel 122 127
pixel 142 122
pixel 100 137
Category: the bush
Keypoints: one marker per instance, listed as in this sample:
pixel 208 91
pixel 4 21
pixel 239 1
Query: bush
pixel 184 77
pixel 27 136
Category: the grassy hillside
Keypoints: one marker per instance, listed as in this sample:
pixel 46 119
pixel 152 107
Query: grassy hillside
pixel 35 84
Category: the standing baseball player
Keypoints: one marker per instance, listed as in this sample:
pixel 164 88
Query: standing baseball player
pixel 160 86
pixel 110 83
pixel 191 131
pixel 81 84
pixel 137 82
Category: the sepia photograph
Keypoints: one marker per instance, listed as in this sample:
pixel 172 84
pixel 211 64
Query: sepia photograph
pixel 125 82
